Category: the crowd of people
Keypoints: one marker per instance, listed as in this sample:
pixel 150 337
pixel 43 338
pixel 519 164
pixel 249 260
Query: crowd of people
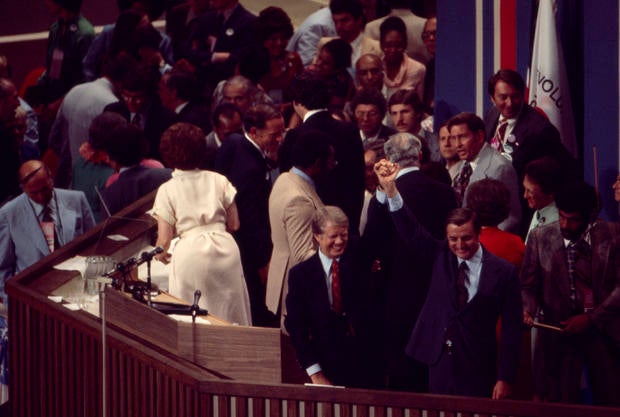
pixel 311 189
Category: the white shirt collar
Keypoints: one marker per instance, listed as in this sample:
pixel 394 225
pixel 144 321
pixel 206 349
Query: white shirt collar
pixel 253 143
pixel 180 107
pixel 312 112
pixel 406 170
pixel 303 175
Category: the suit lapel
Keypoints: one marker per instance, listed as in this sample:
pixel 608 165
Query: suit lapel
pixel 32 228
pixel 484 162
pixel 67 218
pixel 319 273
pixel 552 244
pixel 487 275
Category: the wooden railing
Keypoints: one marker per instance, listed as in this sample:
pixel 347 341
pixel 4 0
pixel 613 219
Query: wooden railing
pixel 56 369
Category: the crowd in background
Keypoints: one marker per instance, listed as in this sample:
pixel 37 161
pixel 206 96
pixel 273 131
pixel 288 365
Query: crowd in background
pixel 312 190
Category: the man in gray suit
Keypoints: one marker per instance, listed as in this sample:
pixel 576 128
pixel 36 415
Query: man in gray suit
pixel 478 161
pixel 39 220
pixel 571 278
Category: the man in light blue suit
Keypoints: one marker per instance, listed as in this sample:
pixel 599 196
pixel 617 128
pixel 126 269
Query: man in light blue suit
pixel 39 220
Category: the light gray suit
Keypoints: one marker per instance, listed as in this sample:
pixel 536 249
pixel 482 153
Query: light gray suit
pixel 491 164
pixel 21 240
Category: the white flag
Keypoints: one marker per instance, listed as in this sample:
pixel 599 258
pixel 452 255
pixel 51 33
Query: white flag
pixel 548 84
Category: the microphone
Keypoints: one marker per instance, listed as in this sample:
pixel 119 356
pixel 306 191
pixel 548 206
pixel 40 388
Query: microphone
pixel 148 256
pixel 195 307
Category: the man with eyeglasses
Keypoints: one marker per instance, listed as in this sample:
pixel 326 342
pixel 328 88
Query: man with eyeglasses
pixel 369 107
pixel 140 105
pixel 38 221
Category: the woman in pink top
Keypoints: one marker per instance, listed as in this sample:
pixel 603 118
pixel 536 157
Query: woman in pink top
pixel 401 71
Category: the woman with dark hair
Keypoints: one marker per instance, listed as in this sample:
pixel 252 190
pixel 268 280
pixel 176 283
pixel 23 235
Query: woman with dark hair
pixel 401 71
pixel 331 66
pixel 274 29
pixel 490 200
pixel 199 207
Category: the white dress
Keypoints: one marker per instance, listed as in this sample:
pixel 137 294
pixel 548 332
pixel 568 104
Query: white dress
pixel 206 258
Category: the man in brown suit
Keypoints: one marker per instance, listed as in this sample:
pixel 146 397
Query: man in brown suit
pixel 292 202
pixel 571 279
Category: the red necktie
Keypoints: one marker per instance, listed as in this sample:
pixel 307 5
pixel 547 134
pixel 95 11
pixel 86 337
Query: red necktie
pixel 336 296
pixel 498 140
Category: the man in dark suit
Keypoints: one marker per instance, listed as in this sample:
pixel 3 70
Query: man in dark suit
pixel 571 278
pixel 178 91
pixel 368 108
pixel 344 187
pixel 246 160
pixel 328 316
pixel 141 106
pixel 220 38
pixel 521 133
pixel 406 274
pixel 516 129
pixel 470 289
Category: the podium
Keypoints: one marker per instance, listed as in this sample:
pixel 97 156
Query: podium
pixel 155 365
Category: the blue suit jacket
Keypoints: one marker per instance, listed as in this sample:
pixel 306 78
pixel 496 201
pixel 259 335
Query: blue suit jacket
pixel 471 329
pixel 21 239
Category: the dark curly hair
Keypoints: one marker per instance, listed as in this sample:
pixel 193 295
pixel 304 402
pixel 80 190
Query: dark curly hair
pixel 183 146
pixel 271 21
pixel 490 200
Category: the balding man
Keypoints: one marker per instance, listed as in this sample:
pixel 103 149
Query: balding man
pixel 38 221
pixel 369 72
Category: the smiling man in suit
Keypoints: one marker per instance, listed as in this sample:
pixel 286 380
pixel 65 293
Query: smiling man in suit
pixel 406 275
pixel 39 221
pixel 328 307
pixel 470 289
pixel 479 160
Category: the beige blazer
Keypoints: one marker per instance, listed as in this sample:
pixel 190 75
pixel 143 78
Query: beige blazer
pixel 292 203
pixel 415 25
pixel 367 45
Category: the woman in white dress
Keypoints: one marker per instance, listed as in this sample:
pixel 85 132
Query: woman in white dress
pixel 199 207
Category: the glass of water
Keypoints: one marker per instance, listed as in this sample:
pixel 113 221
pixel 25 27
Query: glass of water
pixel 96 266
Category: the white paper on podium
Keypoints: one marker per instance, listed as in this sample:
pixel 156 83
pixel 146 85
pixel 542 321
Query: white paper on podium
pixel 188 319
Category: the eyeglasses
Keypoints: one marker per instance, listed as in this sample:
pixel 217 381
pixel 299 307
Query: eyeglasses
pixel 364 114
pixel 427 34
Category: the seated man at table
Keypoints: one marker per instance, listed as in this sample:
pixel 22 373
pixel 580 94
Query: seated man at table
pixel 38 221
pixel 328 312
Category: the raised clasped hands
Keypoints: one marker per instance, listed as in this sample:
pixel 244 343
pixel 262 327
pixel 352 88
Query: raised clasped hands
pixel 386 174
